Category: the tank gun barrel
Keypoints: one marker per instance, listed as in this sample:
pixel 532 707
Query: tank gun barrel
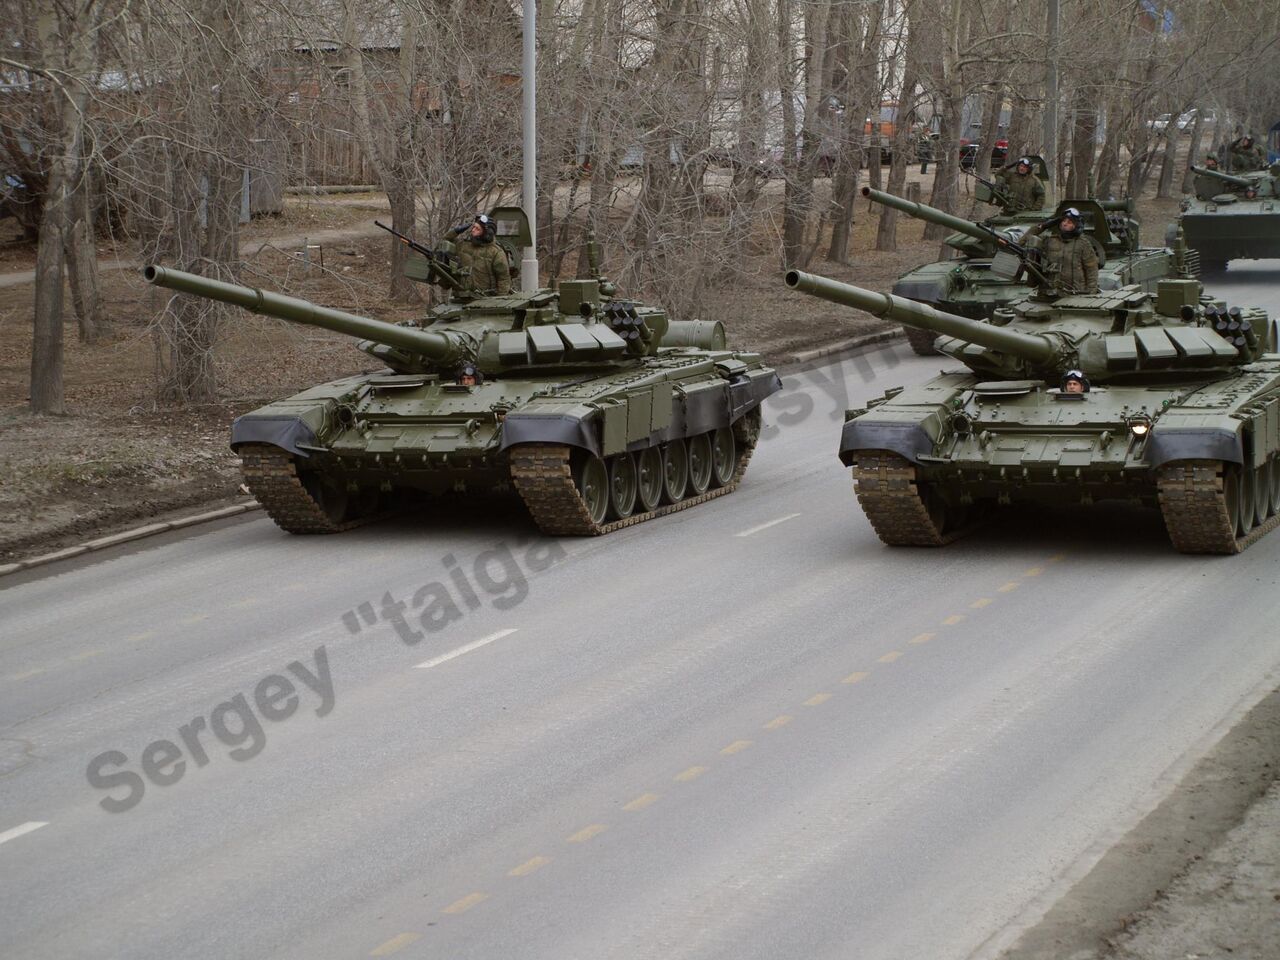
pixel 435 346
pixel 922 211
pixel 1224 177
pixel 1036 349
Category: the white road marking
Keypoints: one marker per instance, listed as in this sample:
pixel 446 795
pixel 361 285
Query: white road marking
pixel 467 648
pixel 19 831
pixel 766 526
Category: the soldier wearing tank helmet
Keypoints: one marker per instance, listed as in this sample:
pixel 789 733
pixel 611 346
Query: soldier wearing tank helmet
pixel 1246 155
pixel 1067 256
pixel 1022 187
pixel 478 253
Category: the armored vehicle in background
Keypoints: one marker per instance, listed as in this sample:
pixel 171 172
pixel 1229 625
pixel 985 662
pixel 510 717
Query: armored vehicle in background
pixel 965 285
pixel 1233 216
pixel 599 412
pixel 1178 407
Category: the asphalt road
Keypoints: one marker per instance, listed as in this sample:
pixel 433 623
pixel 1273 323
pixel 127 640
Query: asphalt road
pixel 747 730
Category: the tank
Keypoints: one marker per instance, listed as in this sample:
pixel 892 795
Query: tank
pixel 1178 409
pixel 599 412
pixel 1232 216
pixel 966 284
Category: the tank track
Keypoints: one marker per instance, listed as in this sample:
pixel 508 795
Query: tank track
pixel 886 488
pixel 542 475
pixel 1195 510
pixel 921 341
pixel 271 474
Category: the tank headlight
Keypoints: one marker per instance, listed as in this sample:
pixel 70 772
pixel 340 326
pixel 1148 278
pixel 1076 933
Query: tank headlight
pixel 961 424
pixel 1139 426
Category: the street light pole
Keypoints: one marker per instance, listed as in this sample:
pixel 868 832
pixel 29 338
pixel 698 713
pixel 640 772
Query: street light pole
pixel 529 82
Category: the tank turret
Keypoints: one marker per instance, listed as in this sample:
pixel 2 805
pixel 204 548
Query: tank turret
pixel 572 326
pixel 1124 334
pixel 1228 178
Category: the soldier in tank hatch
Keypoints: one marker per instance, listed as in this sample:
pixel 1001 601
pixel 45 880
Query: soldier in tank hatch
pixel 1022 186
pixel 1247 155
pixel 478 253
pixel 1066 255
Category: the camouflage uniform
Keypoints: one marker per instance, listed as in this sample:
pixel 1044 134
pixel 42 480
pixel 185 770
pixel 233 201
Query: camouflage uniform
pixel 1025 191
pixel 1070 262
pixel 1244 159
pixel 488 265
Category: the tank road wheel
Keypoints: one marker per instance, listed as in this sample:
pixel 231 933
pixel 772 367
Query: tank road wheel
pixel 921 341
pixel 300 503
pixel 649 478
pixel 723 459
pixel 622 486
pixel 591 480
pixel 675 470
pixel 1273 483
pixel 904 511
pixel 1261 492
pixel 699 464
pixel 1246 515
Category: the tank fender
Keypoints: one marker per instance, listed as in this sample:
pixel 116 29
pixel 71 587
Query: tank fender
pixel 1194 443
pixel 289 433
pixel 568 429
pixel 907 439
pixel 746 392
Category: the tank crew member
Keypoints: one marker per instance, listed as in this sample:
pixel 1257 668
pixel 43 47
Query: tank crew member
pixel 486 260
pixel 1246 155
pixel 1022 186
pixel 1067 255
pixel 1074 381
pixel 1211 161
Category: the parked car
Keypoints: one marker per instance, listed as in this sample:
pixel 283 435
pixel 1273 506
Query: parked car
pixel 969 153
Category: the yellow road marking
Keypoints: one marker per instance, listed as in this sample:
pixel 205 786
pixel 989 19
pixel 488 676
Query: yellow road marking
pixel 28 675
pixel 195 619
pixel 693 773
pixel 1008 587
pixel 466 903
pixel 139 637
pixel 816 699
pixel 296 586
pixel 981 602
pixel 394 944
pixel 856 677
pixel 889 657
pixel 85 655
pixel 922 638
pixel 528 867
pixel 640 802
pixel 736 747
pixel 1034 572
pixel 952 620
pixel 586 833
pixel 246 602
pixel 1056 557
pixel 777 722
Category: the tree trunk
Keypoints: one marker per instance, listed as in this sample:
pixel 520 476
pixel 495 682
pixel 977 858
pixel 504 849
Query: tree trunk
pixel 46 342
pixel 1169 160
pixel 1188 176
pixel 82 261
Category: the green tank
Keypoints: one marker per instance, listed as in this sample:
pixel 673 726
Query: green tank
pixel 1179 409
pixel 597 411
pixel 967 285
pixel 1232 216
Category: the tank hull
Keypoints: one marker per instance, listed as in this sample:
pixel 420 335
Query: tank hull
pixel 1240 230
pixel 354 444
pixel 956 445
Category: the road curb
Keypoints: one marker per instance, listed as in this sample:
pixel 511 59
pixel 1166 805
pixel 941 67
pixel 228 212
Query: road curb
pixel 844 346
pixel 151 529
pixel 128 536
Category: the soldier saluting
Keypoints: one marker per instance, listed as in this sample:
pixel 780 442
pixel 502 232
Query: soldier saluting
pixel 486 261
pixel 1067 257
pixel 1246 155
pixel 1021 186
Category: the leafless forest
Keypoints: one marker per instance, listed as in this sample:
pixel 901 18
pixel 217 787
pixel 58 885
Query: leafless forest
pixel 680 131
